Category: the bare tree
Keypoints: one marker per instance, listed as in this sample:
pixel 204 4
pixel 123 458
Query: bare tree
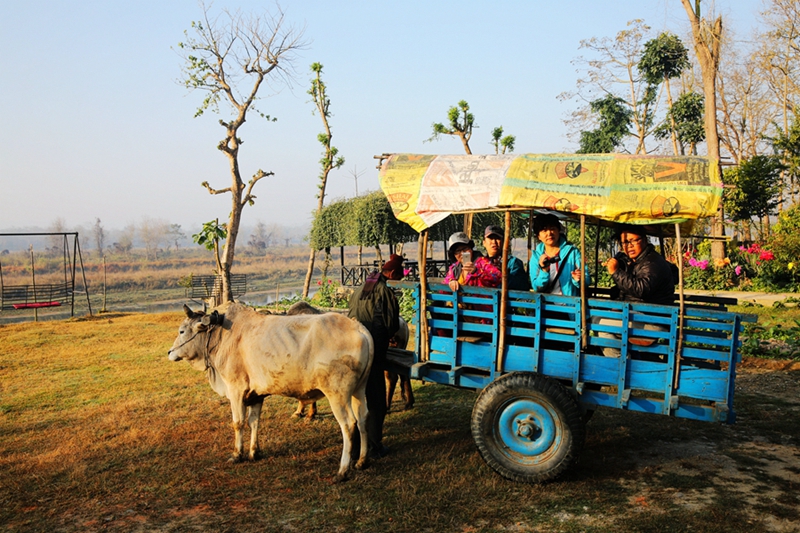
pixel 99 237
pixel 707 35
pixel 230 57
pixel 613 69
pixel 55 243
pixel 153 232
pixel 175 235
pixel 124 244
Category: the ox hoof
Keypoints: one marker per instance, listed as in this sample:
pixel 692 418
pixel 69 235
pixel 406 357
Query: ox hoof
pixel 297 415
pixel 340 478
pixel 362 464
pixel 255 456
pixel 235 458
pixel 408 406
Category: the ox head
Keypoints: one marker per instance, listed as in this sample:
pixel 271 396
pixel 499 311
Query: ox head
pixel 191 341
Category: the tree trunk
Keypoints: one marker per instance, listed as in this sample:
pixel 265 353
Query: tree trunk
pixel 707 48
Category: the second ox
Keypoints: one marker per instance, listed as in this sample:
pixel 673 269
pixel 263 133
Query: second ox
pixel 400 340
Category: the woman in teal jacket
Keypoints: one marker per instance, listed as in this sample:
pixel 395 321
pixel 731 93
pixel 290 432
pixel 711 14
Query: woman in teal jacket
pixel 555 265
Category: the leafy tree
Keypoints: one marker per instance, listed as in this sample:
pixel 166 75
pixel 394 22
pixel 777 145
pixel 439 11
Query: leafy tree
pixel 787 144
pixel 230 58
pixel 460 124
pixel 685 122
pixel 754 188
pixel 330 160
pixel 209 237
pixel 664 58
pixel 502 144
pixel 258 239
pixel 613 119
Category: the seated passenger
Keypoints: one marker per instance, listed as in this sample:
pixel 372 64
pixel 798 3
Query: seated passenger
pixel 493 242
pixel 555 265
pixel 469 268
pixel 641 275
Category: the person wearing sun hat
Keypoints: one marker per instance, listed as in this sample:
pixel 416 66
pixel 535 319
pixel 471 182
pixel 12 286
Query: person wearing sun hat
pixel 469 266
pixel 374 305
pixel 493 243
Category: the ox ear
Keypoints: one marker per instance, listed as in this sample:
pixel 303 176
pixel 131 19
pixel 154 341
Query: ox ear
pixel 214 319
pixel 188 311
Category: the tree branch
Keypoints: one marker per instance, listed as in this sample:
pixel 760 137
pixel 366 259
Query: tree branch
pixel 211 190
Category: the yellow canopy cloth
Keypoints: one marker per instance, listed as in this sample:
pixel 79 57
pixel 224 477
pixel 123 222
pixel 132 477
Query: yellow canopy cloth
pixel 424 189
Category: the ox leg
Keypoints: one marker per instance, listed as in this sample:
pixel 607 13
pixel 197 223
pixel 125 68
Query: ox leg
pixel 238 410
pixel 347 422
pixel 359 404
pixel 406 392
pixel 300 411
pixel 391 383
pixel 253 416
pixel 301 408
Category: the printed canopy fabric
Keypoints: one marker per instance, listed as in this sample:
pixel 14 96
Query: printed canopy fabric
pixel 425 189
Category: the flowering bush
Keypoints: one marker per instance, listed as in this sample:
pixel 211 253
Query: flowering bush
pixel 702 274
pixel 329 294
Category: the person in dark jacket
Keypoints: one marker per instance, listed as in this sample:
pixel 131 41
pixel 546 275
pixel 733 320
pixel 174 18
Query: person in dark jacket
pixel 375 306
pixel 641 275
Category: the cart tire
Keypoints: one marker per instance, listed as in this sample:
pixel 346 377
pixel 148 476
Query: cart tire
pixel 527 427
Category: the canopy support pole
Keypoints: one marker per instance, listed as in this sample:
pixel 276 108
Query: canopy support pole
pixel 501 334
pixel 422 253
pixel 584 329
pixel 530 238
pixel 681 305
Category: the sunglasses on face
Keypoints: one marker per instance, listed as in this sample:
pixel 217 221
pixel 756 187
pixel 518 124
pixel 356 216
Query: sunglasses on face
pixel 631 242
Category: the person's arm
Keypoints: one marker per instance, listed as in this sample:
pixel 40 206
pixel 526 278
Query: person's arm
pixel 639 284
pixel 539 276
pixel 485 274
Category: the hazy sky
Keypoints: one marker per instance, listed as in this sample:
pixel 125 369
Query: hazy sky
pixel 94 124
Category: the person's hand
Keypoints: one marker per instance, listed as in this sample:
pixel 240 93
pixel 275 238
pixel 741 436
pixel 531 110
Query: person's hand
pixel 612 265
pixel 468 268
pixel 453 285
pixel 576 274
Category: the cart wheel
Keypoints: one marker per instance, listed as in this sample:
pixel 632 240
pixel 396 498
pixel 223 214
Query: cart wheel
pixel 527 427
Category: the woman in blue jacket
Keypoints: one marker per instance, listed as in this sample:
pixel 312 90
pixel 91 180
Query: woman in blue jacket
pixel 555 265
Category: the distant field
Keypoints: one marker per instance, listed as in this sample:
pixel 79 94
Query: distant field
pixel 100 432
pixel 135 283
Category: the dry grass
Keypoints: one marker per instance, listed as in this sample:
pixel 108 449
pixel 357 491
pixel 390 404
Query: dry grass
pixel 100 432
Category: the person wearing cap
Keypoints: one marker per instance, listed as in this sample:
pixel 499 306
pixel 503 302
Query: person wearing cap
pixel 493 243
pixel 375 306
pixel 555 265
pixel 469 267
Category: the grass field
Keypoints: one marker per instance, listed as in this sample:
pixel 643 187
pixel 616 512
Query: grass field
pixel 100 432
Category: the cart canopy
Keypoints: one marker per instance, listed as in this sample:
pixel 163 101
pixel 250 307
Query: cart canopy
pixel 425 189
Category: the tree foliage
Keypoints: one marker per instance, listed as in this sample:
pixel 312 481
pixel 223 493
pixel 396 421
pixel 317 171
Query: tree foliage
pixel 685 118
pixel 460 123
pixel 755 188
pixel 613 123
pixel 502 144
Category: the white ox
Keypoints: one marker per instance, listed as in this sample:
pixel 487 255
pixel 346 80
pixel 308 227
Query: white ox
pixel 249 356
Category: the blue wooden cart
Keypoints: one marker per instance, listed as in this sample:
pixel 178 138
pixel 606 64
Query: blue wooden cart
pixel 538 358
